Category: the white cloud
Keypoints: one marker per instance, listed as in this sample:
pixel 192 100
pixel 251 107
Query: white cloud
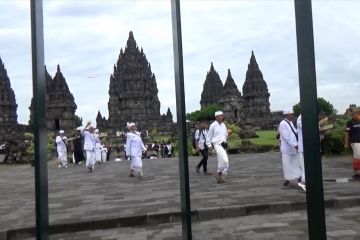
pixel 85 38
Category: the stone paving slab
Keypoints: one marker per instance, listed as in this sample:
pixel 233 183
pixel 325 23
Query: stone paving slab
pixel 342 224
pixel 254 181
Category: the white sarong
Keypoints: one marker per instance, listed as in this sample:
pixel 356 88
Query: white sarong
pixel 302 166
pixel 222 157
pixel 90 158
pixel 356 150
pixel 62 158
pixel 136 164
pixel 291 166
pixel 97 155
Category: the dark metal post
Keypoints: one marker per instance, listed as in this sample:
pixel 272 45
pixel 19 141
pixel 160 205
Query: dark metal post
pixel 310 122
pixel 181 120
pixel 38 70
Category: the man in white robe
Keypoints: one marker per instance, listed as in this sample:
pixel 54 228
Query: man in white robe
pixel 301 152
pixel 217 139
pixel 97 146
pixel 89 146
pixel 134 149
pixel 61 147
pixel 289 150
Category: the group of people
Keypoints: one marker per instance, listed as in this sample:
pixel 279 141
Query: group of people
pixel 163 149
pixel 87 140
pixel 215 139
pixel 292 151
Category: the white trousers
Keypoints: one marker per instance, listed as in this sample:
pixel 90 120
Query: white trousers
pixel 90 158
pixel 136 164
pixel 302 166
pixel 291 166
pixel 97 155
pixel 103 156
pixel 222 157
pixel 62 158
pixel 356 150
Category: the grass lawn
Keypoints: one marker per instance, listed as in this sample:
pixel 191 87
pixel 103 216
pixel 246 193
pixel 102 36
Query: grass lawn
pixel 266 137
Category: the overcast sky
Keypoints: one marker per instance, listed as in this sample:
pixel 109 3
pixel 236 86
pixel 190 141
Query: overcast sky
pixel 85 38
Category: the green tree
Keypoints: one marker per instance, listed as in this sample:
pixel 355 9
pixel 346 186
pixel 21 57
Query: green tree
pixel 324 107
pixel 78 121
pixel 207 113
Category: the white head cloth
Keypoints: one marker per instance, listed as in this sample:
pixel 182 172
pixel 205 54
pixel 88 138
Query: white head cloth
pixel 130 124
pixel 218 113
pixel 61 131
pixel 96 131
pixel 287 112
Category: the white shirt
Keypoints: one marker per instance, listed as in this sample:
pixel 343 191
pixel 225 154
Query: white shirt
pixel 60 144
pixel 217 133
pixel 287 137
pixel 89 140
pixel 134 144
pixel 97 141
pixel 300 134
pixel 201 136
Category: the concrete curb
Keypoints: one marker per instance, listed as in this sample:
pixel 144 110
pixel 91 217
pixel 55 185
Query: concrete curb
pixel 200 214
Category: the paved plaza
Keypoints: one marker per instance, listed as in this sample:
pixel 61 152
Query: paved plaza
pixel 247 204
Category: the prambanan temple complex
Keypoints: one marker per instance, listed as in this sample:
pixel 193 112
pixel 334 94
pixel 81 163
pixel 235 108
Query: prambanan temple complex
pixel 133 96
pixel 11 135
pixel 251 108
pixel 60 103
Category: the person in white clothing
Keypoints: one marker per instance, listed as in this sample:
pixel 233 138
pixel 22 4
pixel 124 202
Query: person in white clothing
pixel 134 149
pixel 97 146
pixel 104 153
pixel 301 147
pixel 89 146
pixel 217 139
pixel 61 147
pixel 289 150
pixel 301 151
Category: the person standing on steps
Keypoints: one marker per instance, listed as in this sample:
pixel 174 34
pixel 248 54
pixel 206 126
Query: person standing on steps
pixel 200 141
pixel 217 139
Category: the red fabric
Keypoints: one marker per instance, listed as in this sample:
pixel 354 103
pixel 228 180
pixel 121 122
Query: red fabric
pixel 356 164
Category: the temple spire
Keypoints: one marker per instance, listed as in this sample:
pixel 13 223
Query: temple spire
pixel 230 87
pixel 212 88
pixel 131 43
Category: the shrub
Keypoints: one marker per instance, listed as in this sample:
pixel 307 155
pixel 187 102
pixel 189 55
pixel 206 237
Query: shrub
pixel 334 141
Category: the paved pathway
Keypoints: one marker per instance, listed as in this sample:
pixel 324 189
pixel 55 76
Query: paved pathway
pixel 77 196
pixel 343 224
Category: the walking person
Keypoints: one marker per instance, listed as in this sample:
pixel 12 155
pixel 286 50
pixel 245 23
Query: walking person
pixel 134 148
pixel 78 148
pixel 217 139
pixel 168 149
pixel 89 146
pixel 352 139
pixel 97 146
pixel 289 150
pixel 301 152
pixel 61 147
pixel 200 142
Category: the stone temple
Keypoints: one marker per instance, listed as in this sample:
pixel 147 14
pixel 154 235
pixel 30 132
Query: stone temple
pixel 134 94
pixel 212 90
pixel 10 132
pixel 60 103
pixel 231 101
pixel 251 108
pixel 255 94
